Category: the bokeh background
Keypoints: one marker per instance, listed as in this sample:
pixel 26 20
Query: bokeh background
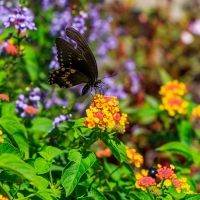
pixel 139 45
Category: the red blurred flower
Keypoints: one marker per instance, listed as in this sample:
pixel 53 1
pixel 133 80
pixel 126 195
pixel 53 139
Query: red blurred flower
pixel 30 110
pixel 4 97
pixel 104 153
pixel 147 181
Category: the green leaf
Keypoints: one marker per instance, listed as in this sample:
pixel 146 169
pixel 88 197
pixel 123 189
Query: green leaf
pixel 41 124
pixel 31 63
pixel 8 109
pixel 184 131
pixel 96 195
pixel 78 165
pixel 42 166
pixel 116 146
pixel 78 122
pixel 17 131
pixel 8 148
pixel 17 166
pixel 80 191
pixel 172 191
pixel 176 147
pixel 50 152
pixel 192 197
pixel 3 74
pixel 43 195
pixel 111 184
pixel 139 196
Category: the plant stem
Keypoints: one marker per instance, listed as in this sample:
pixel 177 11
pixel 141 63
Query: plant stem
pixel 50 175
pixel 58 184
pixel 31 195
pixel 5 191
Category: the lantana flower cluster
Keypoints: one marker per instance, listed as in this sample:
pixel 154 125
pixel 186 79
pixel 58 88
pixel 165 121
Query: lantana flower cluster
pixel 172 100
pixel 103 112
pixel 166 177
pixel 134 157
pixel 4 97
pixel 3 197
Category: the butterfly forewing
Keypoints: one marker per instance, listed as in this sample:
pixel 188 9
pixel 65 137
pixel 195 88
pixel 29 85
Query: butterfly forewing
pixel 85 50
pixel 69 57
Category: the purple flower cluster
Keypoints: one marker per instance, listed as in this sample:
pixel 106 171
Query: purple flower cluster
pixel 101 32
pixel 21 18
pixel 54 63
pixel 46 4
pixel 60 119
pixel 23 102
pixel 4 12
pixel 52 99
pixel 114 89
pixel 58 26
pixel 134 77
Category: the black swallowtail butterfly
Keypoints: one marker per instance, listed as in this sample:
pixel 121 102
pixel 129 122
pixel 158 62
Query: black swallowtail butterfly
pixel 77 65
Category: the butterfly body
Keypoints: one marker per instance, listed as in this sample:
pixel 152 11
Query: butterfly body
pixel 77 65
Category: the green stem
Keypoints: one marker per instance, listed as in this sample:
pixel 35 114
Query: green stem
pixel 58 184
pixel 50 175
pixel 114 171
pixel 93 139
pixel 150 194
pixel 16 192
pixel 31 195
pixel 5 191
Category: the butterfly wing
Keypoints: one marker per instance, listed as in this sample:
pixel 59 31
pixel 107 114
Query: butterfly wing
pixel 84 50
pixel 69 57
pixel 67 77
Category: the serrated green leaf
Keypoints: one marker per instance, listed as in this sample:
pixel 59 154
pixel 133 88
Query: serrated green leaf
pixel 44 195
pixel 176 147
pixel 17 166
pixel 80 191
pixel 42 166
pixel 111 184
pixel 9 148
pixel 8 109
pixel 192 197
pixel 117 147
pixel 172 191
pixel 50 152
pixel 41 124
pixel 75 169
pixel 96 195
pixel 78 122
pixel 17 131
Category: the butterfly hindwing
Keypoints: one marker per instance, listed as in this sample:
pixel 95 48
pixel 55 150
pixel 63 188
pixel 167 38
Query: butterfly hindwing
pixel 67 77
pixel 84 50
pixel 69 57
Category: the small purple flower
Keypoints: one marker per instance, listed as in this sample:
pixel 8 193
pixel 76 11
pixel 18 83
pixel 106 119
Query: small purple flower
pixel 52 99
pixel 54 63
pixel 129 65
pixel 3 15
pixel 135 77
pixel 46 4
pixel 114 89
pixel 194 27
pixel 34 95
pixel 22 18
pixel 60 119
pixel 58 25
pixel 22 102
